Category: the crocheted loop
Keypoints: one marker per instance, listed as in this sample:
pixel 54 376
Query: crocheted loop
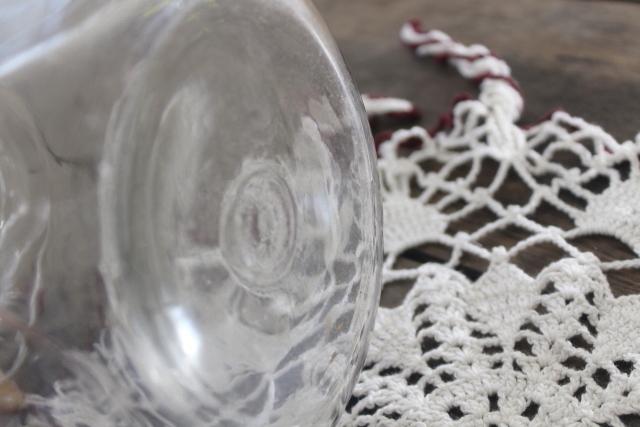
pixel 384 106
pixel 497 343
pixel 498 91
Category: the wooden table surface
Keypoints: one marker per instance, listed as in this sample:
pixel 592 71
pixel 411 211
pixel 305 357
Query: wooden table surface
pixel 582 56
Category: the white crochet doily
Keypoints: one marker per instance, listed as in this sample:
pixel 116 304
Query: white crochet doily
pixel 508 348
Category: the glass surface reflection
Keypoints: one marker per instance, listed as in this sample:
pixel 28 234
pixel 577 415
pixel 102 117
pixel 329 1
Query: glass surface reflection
pixel 190 224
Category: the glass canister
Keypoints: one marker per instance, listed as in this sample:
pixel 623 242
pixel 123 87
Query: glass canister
pixel 189 216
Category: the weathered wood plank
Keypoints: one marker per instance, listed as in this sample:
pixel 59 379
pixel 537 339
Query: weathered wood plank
pixel 583 56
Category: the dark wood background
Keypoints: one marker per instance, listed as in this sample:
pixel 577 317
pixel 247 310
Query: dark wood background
pixel 582 56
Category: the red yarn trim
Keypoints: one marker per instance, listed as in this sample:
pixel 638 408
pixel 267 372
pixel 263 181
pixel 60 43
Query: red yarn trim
pixel 417 26
pixel 546 117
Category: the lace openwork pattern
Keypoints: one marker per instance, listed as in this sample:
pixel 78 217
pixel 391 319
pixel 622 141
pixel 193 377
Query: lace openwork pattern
pixel 508 346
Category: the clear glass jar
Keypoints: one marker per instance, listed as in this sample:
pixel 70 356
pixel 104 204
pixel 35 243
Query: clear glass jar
pixel 189 216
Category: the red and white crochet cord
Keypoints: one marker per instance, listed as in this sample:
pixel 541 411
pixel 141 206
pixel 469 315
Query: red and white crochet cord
pixel 508 348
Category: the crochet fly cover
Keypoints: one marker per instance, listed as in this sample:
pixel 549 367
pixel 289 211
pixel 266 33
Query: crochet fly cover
pixel 510 347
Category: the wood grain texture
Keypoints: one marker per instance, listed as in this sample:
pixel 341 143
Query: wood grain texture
pixel 583 56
